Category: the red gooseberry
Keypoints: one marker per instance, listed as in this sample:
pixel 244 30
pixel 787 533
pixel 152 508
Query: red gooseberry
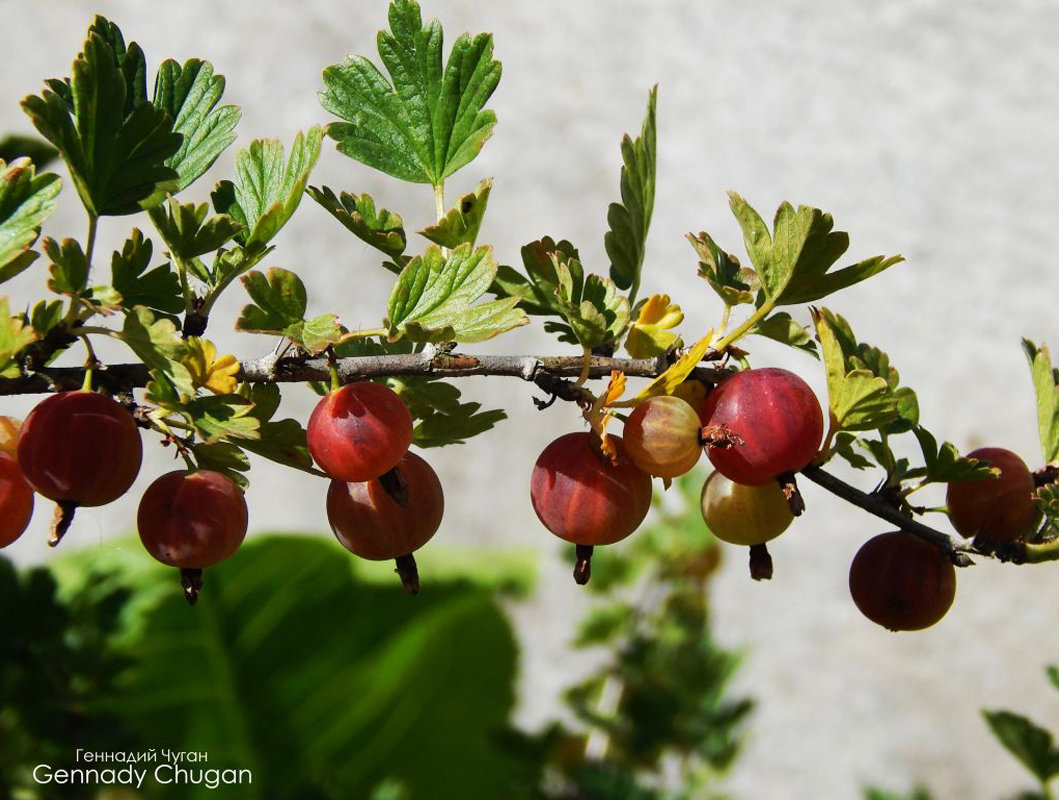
pixel 999 508
pixel 16 501
pixel 772 422
pixel 661 436
pixel 359 432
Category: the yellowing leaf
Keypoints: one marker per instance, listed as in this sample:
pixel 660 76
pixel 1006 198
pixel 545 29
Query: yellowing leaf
pixel 650 334
pixel 599 415
pixel 215 374
pixel 668 381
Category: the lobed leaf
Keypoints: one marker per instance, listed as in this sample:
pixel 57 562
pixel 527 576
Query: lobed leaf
pixel 15 336
pixel 629 221
pixel 782 328
pixel 207 370
pixel 433 298
pixel 462 222
pixel 69 266
pixel 267 188
pixel 945 464
pixel 223 457
pixel 428 120
pixel 158 289
pixel 793 262
pixel 26 200
pixel 382 229
pixel 282 441
pixel 537 290
pixel 189 94
pixel 114 142
pixel 441 418
pixel 726 276
pixel 279 301
pixel 158 345
pixel 188 233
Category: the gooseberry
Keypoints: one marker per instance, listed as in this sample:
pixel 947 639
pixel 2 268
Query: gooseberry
pixel 16 501
pixel 192 520
pixel 768 422
pixel 359 432
pixel 999 508
pixel 582 496
pixel 901 582
pixel 391 516
pixel 79 449
pixel 661 436
pixel 741 514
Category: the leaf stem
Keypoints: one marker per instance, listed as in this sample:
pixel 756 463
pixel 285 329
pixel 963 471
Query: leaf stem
pixel 90 245
pixel 748 323
pixel 364 334
pixel 439 200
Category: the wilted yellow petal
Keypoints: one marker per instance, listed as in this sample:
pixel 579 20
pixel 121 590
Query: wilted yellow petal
pixel 650 334
pixel 9 428
pixel 215 374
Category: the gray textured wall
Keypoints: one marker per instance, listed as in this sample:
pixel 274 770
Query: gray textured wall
pixel 926 128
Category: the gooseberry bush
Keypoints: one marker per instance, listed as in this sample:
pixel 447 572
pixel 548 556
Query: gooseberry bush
pixel 386 389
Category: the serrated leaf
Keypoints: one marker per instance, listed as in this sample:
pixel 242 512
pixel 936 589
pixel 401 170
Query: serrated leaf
pixel 430 120
pixel 190 94
pixel 45 315
pixel 230 264
pixel 1030 744
pixel 225 458
pixel 279 301
pixel 264 396
pixel 537 290
pixel 14 336
pixel 590 306
pixel 723 272
pixel 282 441
pixel 793 261
pixel 782 328
pixel 1046 388
pixel 945 464
pixel 188 233
pixel 207 370
pixel 651 334
pixel 382 229
pixel 69 266
pixel 26 200
pixel 317 334
pixel 441 418
pixel 220 417
pixel 677 372
pixel 629 221
pixel 433 299
pixel 158 288
pixel 461 223
pixel 158 344
pixel 113 141
pixel 857 399
pixel 267 189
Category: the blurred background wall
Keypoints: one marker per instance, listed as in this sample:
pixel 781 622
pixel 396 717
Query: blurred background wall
pixel 926 127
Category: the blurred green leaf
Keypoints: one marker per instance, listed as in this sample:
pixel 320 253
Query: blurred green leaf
pixel 26 200
pixel 1030 744
pixel 429 121
pixel 1046 387
pixel 14 146
pixel 626 240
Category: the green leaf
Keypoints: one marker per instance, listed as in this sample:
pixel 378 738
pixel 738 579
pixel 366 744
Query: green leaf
pixel 1030 744
pixel 434 296
pixel 279 301
pixel 26 200
pixel 45 315
pixel 1053 675
pixel 463 221
pixel 626 241
pixel 1046 387
pixel 604 624
pixel 69 266
pixel 197 687
pixel 158 288
pixel 538 289
pixel 723 272
pixel 188 233
pixel 946 465
pixel 441 418
pixel 230 264
pixel 282 441
pixel 782 328
pixel 430 120
pixel 843 446
pixel 14 336
pixel 190 94
pixel 158 344
pixel 857 399
pixel 382 229
pixel 267 190
pixel 220 417
pixel 591 306
pixel 113 141
pixel 317 334
pixel 264 396
pixel 793 262
pixel 223 457
pixel 14 146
